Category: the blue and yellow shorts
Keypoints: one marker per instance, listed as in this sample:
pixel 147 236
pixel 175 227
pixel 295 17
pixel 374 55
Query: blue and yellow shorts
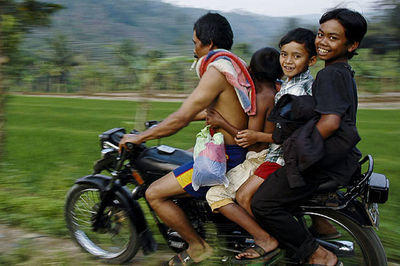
pixel 235 155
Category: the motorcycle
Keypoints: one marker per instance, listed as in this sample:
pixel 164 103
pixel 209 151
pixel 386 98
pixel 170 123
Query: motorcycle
pixel 105 218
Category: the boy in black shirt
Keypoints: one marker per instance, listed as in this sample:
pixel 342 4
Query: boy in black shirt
pixel 335 95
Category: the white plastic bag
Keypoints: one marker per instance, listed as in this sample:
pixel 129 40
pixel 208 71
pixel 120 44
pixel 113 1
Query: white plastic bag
pixel 209 166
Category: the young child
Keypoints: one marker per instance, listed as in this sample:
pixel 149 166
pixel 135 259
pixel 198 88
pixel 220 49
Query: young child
pixel 264 69
pixel 335 96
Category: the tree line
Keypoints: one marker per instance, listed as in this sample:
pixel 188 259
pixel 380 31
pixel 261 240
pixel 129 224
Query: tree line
pixel 60 69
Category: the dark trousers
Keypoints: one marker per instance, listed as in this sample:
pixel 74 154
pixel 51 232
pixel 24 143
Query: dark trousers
pixel 273 205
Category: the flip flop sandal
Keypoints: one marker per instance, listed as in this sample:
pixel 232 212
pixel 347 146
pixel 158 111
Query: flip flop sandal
pixel 182 258
pixel 264 256
pixel 323 236
pixel 338 263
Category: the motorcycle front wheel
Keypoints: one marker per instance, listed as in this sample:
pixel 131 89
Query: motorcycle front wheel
pixel 116 241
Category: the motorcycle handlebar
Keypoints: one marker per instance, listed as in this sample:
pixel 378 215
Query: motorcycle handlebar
pixel 121 158
pixel 123 152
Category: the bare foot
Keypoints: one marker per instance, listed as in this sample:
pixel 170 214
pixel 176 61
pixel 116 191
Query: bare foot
pixel 323 257
pixel 200 252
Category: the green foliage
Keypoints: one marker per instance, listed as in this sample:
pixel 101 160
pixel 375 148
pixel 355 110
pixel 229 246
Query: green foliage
pixel 18 17
pixel 153 25
pixel 384 35
pixel 376 73
pixel 243 50
pixel 59 69
pixel 128 51
pixel 11 35
pixel 61 54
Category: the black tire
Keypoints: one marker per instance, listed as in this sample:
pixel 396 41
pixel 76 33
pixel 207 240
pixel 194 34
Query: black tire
pixel 118 242
pixel 370 251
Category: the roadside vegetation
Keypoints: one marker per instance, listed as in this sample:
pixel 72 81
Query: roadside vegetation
pixel 68 60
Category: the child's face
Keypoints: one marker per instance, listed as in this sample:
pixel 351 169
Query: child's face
pixel 331 42
pixel 294 59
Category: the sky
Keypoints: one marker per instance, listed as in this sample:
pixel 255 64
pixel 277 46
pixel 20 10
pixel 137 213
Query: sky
pixel 276 8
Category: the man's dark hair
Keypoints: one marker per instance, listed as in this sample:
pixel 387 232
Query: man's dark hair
pixel 354 24
pixel 265 66
pixel 302 36
pixel 214 27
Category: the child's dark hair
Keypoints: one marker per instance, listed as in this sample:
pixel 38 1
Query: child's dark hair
pixel 354 24
pixel 216 28
pixel 302 36
pixel 265 66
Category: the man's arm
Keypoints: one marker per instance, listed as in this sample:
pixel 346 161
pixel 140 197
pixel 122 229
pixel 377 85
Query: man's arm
pixel 328 124
pixel 210 86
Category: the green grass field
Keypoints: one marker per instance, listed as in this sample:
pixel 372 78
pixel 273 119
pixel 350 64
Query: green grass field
pixel 50 142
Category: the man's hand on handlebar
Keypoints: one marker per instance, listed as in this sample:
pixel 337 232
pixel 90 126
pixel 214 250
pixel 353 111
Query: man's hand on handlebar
pixel 129 138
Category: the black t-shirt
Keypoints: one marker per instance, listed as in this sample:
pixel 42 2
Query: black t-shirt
pixel 335 92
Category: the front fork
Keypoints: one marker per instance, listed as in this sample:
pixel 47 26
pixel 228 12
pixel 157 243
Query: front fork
pixel 100 219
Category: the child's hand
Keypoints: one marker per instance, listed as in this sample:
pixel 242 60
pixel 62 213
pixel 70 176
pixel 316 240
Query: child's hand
pixel 246 138
pixel 213 118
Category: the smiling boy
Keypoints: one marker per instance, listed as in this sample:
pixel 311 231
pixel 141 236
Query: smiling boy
pixel 296 56
pixel 335 96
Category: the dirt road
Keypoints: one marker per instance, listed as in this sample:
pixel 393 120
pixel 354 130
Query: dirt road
pixel 21 247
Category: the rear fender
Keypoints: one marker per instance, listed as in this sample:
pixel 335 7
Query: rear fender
pixel 355 211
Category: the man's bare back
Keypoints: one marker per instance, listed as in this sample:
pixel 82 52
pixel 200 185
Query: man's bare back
pixel 228 105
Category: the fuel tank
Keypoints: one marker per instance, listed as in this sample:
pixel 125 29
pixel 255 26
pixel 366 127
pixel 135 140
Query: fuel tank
pixel 158 161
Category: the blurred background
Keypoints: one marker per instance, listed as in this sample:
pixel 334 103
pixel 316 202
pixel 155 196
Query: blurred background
pixel 102 46
pixel 143 48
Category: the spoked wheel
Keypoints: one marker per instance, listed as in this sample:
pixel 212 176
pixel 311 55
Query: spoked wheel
pixel 357 245
pixel 115 240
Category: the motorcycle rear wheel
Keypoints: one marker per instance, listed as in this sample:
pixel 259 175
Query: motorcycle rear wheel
pixel 117 240
pixel 368 249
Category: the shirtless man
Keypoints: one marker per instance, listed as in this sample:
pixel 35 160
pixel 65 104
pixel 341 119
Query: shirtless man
pixel 211 31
